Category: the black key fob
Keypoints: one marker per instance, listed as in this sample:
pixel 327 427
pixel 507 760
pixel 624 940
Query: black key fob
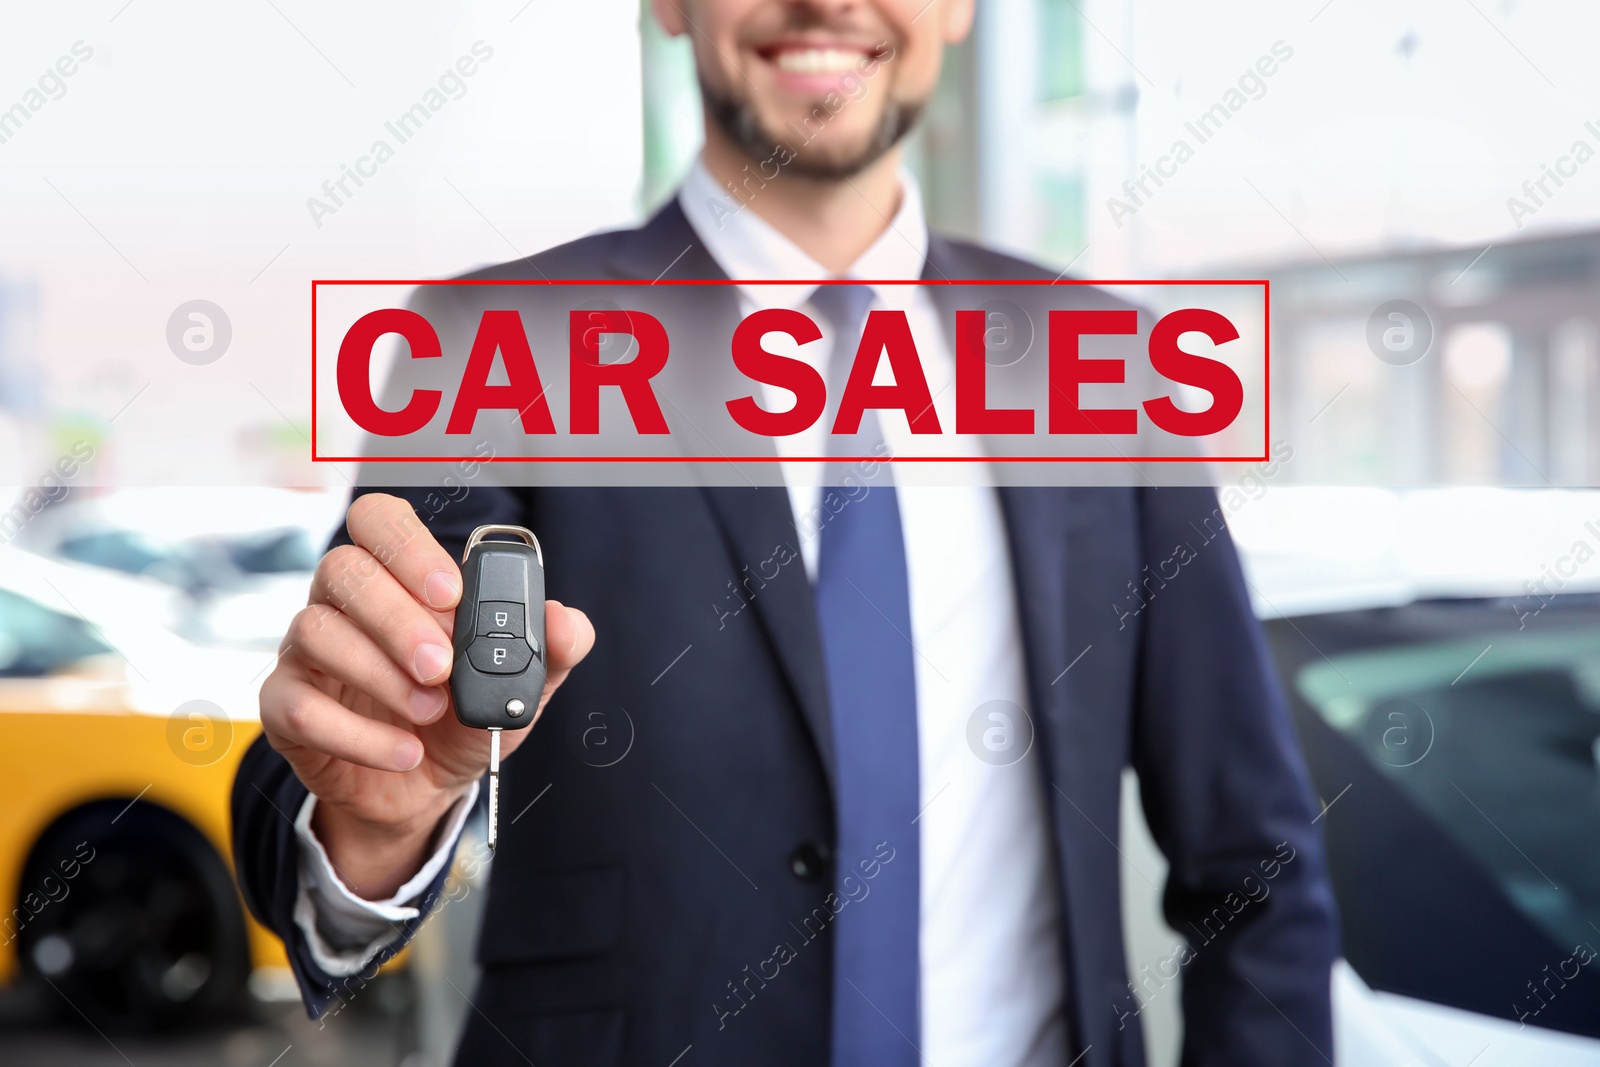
pixel 500 663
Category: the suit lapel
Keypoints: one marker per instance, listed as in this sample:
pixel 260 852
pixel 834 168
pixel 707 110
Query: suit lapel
pixel 1050 535
pixel 1036 519
pixel 1036 532
pixel 757 524
pixel 666 248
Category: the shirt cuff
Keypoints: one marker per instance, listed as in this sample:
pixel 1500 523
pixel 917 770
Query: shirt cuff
pixel 344 931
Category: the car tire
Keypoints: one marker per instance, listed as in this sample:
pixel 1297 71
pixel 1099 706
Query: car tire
pixel 146 933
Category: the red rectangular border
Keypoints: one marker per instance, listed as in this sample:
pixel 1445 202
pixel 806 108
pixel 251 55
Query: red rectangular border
pixel 1266 319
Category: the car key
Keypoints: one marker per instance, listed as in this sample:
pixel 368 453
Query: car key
pixel 499 670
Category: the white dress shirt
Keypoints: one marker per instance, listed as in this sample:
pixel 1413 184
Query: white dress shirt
pixel 991 976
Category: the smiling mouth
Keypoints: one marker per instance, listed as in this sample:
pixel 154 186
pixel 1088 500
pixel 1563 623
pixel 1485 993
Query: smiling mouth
pixel 802 63
pixel 819 60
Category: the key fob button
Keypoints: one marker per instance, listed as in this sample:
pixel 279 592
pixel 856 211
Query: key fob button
pixel 500 655
pixel 500 617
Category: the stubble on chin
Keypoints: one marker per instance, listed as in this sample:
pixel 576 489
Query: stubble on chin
pixel 736 117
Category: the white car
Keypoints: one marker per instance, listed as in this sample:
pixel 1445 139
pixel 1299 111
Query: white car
pixel 1441 651
pixel 236 562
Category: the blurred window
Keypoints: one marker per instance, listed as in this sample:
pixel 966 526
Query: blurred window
pixel 1478 362
pixel 36 641
pixel 274 552
pixel 1502 755
pixel 1060 50
pixel 118 550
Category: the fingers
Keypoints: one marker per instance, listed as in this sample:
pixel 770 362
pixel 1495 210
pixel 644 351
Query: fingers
pixel 326 640
pixel 568 635
pixel 377 623
pixel 353 580
pixel 295 712
pixel 388 584
pixel 389 529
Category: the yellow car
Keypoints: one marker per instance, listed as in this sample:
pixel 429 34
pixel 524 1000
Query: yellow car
pixel 118 744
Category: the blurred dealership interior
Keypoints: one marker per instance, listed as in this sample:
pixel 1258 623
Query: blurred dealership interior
pixel 1361 156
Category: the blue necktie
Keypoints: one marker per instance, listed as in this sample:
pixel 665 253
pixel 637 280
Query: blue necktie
pixel 864 610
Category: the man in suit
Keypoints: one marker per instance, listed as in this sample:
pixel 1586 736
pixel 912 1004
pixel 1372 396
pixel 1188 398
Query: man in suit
pixel 860 802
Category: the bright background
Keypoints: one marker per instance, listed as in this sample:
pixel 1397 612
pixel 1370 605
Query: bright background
pixel 1374 164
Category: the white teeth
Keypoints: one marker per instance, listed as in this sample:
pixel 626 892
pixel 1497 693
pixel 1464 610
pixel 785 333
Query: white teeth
pixel 817 60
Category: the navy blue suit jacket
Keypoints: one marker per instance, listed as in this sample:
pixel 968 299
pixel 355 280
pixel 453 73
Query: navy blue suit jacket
pixel 631 907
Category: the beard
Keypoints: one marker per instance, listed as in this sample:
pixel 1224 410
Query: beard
pixel 736 117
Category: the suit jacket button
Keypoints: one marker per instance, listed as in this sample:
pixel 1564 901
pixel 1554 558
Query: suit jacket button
pixel 809 861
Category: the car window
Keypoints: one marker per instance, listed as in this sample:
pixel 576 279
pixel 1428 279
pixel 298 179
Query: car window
pixel 274 552
pixel 36 641
pixel 119 550
pixel 1497 741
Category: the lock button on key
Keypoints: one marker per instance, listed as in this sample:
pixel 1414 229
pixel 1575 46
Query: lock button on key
pixel 501 618
pixel 500 655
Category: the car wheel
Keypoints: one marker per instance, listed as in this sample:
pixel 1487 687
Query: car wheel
pixel 146 932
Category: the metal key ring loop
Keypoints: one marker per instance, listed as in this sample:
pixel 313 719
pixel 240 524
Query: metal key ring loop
pixel 483 532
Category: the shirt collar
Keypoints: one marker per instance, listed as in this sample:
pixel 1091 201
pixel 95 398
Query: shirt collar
pixel 746 246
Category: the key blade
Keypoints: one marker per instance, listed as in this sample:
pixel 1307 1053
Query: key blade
pixel 494 809
pixel 494 788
